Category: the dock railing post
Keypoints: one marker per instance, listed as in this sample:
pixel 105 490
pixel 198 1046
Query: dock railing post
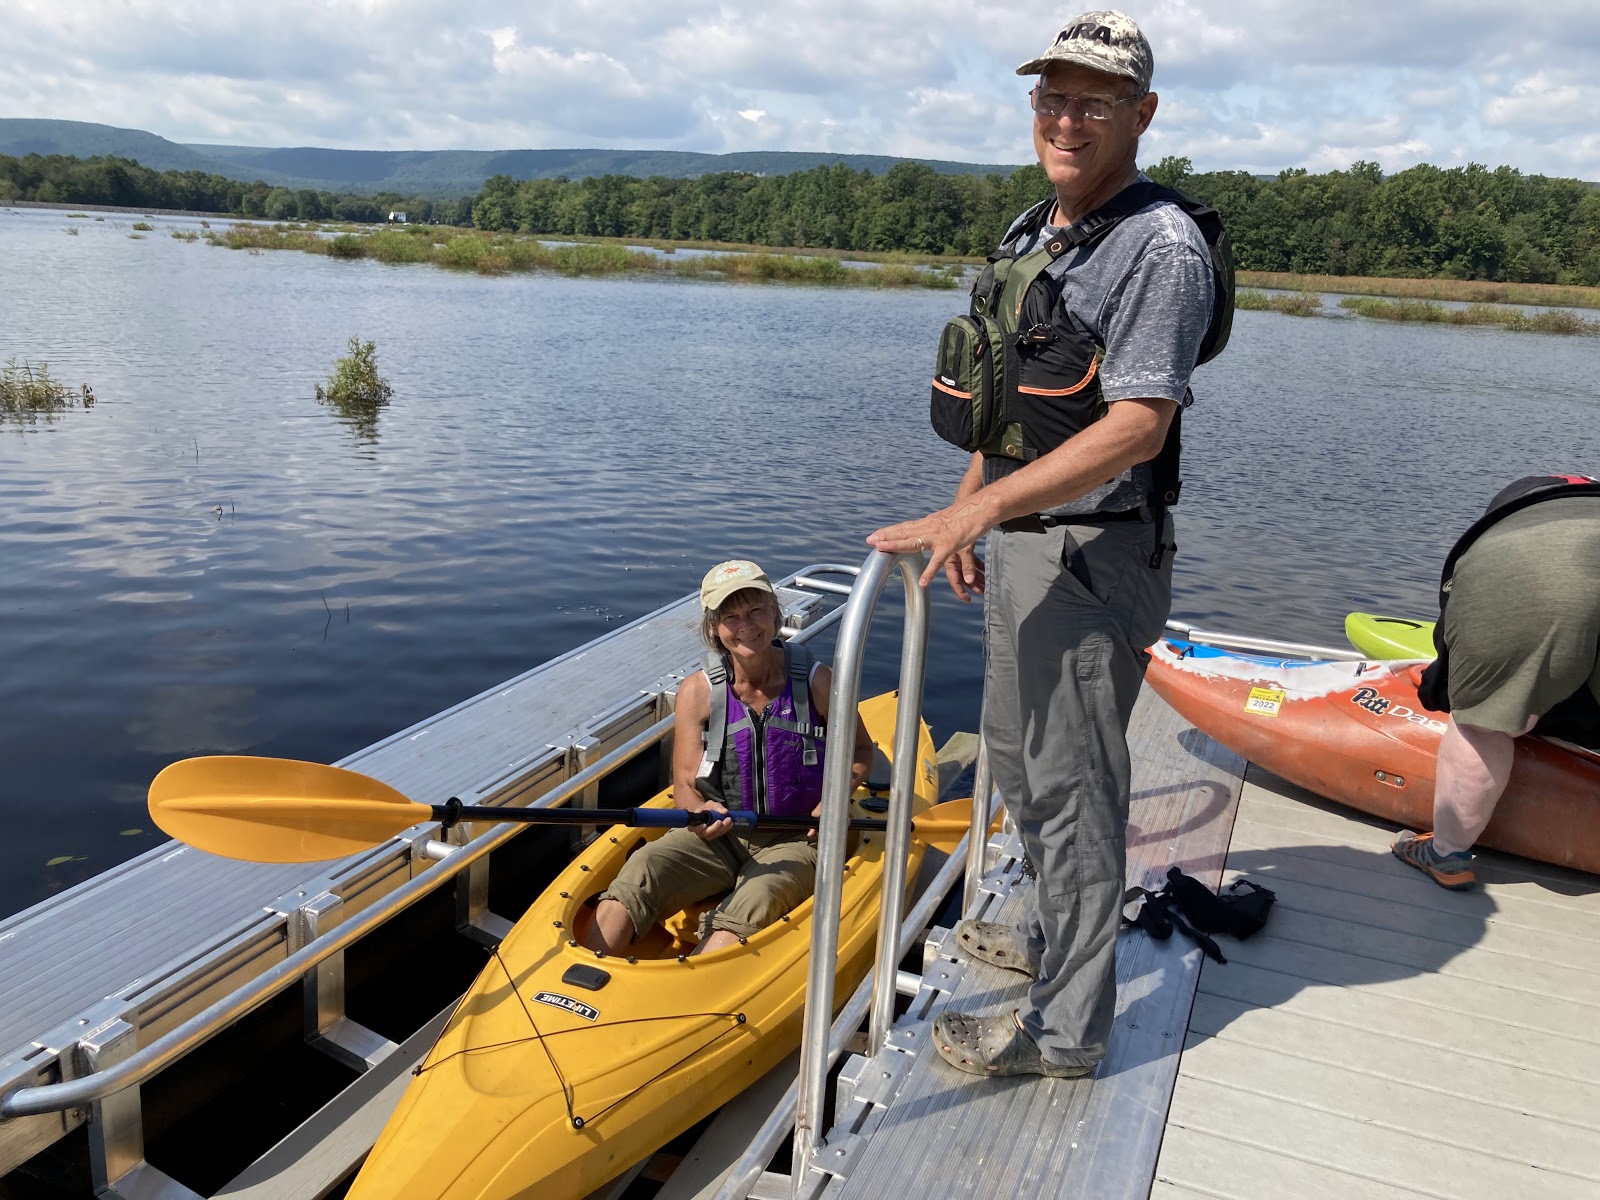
pixel 833 831
pixel 902 789
pixel 982 815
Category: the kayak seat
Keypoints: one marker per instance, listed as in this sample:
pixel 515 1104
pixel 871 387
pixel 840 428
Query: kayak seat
pixel 681 930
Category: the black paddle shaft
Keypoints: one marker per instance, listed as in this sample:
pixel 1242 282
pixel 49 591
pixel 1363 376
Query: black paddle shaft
pixel 452 811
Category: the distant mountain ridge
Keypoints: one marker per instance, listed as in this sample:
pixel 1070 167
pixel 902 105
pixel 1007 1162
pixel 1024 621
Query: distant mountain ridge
pixel 431 173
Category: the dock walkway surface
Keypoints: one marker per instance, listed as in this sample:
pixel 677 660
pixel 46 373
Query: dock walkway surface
pixel 1384 1037
pixel 1381 1037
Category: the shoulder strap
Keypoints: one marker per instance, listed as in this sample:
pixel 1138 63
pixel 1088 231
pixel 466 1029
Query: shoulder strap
pixel 1524 493
pixel 1035 219
pixel 1434 689
pixel 797 662
pixel 716 733
pixel 1209 222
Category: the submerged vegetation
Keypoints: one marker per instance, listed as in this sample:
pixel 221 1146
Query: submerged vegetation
pixel 1295 304
pixel 1515 319
pixel 27 392
pixel 494 254
pixel 355 390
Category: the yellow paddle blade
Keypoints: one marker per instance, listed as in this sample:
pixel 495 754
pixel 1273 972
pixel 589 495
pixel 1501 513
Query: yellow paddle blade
pixel 277 809
pixel 943 825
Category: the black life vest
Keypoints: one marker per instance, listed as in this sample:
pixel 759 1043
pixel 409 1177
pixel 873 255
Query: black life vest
pixel 1014 379
pixel 1434 689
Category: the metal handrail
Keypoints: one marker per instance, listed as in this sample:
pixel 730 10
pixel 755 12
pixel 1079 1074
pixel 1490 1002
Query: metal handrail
pixel 1234 641
pixel 173 1045
pixel 982 809
pixel 831 836
pixel 742 1177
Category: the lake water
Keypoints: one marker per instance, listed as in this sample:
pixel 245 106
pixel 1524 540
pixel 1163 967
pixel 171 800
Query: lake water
pixel 207 561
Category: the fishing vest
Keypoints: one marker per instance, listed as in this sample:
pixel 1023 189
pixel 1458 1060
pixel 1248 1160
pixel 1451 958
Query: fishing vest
pixel 770 763
pixel 1434 688
pixel 1014 379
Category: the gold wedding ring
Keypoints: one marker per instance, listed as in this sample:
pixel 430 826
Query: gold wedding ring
pixel 921 545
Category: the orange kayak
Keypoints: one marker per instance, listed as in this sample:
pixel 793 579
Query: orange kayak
pixel 1356 733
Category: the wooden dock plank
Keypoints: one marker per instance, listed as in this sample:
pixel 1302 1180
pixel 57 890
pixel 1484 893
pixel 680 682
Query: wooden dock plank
pixel 1237 1170
pixel 1454 1118
pixel 1296 809
pixel 1325 865
pixel 1401 917
pixel 1422 983
pixel 1385 1037
pixel 1358 1148
pixel 1495 1039
pixel 1395 1051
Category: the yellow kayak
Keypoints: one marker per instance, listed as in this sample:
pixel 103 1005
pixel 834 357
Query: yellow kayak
pixel 561 1068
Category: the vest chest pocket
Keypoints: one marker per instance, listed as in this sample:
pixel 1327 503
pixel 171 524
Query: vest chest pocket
pixel 1058 387
pixel 966 402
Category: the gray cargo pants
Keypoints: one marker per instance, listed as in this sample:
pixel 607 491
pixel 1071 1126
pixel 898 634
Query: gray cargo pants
pixel 1068 615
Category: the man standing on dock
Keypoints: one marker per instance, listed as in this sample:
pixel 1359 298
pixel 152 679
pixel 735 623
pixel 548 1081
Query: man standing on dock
pixel 1097 308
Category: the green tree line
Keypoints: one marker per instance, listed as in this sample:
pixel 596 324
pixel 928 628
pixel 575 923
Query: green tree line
pixel 1426 222
pixel 123 183
pixel 1423 223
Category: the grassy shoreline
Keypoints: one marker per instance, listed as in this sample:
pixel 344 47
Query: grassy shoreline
pixel 1513 319
pixel 1471 291
pixel 498 253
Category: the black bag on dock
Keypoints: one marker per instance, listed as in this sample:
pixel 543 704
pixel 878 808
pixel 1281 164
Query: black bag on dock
pixel 1188 905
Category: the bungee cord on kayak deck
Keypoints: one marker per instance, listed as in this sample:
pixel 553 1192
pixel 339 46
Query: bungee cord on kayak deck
pixel 567 1092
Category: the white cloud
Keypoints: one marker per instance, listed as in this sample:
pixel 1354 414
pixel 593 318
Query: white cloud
pixel 1256 85
pixel 1544 100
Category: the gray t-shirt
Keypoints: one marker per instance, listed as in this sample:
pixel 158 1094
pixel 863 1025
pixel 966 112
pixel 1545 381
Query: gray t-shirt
pixel 1144 291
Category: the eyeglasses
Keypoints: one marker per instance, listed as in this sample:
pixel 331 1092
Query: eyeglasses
pixel 1091 108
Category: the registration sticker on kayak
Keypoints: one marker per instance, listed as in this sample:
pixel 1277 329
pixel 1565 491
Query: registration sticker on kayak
pixel 1264 702
pixel 576 1007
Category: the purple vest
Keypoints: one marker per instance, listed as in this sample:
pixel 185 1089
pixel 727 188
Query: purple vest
pixel 762 764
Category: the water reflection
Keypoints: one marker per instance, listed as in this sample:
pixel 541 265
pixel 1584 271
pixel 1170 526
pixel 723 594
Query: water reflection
pixel 358 414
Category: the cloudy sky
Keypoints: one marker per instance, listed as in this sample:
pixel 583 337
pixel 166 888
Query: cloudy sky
pixel 1257 85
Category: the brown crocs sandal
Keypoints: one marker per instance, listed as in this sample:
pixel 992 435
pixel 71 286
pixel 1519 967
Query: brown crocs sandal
pixel 994 1046
pixel 992 942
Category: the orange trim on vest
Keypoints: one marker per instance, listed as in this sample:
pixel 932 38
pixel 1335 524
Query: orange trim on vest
pixel 1077 387
pixel 946 388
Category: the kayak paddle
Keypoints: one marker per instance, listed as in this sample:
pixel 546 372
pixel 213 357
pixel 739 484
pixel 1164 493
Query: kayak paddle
pixel 283 810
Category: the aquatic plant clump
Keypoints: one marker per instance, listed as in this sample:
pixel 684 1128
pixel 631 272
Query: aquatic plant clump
pixel 355 383
pixel 1514 319
pixel 1294 304
pixel 27 391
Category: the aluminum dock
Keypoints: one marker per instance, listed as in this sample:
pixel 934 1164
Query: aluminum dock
pixel 1380 1037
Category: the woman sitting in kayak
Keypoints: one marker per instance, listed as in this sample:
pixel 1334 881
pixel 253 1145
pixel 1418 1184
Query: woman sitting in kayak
pixel 772 748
